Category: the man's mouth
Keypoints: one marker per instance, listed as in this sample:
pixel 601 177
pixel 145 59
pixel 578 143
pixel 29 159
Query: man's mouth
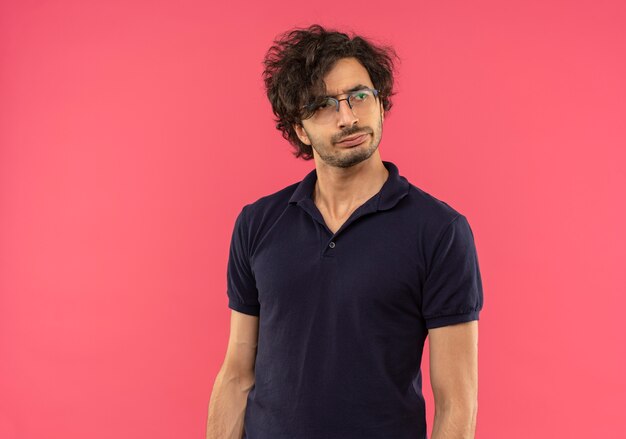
pixel 353 140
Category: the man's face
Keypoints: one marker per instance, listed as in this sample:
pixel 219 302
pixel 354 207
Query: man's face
pixel 328 137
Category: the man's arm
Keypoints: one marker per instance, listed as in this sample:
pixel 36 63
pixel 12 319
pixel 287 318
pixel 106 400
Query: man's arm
pixel 234 380
pixel 454 379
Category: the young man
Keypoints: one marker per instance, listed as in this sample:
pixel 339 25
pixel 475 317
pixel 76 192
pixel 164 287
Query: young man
pixel 336 281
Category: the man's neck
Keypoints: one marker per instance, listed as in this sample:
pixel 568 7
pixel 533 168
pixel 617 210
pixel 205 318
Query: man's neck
pixel 339 191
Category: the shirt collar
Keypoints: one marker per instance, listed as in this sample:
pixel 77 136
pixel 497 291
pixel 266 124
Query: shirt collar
pixel 392 191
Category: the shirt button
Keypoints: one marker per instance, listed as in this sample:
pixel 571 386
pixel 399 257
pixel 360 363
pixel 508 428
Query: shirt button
pixel 332 244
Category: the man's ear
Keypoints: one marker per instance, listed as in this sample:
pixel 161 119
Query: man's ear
pixel 302 135
pixel 382 112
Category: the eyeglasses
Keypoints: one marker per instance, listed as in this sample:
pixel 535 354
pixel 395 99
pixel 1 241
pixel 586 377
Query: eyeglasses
pixel 362 102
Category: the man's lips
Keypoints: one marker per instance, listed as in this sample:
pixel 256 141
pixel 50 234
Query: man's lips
pixel 353 140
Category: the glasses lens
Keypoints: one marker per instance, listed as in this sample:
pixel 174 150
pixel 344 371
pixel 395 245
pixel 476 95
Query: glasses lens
pixel 362 103
pixel 325 110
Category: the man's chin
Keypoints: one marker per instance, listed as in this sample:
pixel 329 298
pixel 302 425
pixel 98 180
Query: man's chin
pixel 350 160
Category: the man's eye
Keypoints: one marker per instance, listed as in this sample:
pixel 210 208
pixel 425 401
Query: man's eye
pixel 360 96
pixel 326 104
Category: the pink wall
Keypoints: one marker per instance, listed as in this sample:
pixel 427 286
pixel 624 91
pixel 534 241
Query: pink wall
pixel 131 133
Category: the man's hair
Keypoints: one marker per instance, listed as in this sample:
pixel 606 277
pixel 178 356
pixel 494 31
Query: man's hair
pixel 297 63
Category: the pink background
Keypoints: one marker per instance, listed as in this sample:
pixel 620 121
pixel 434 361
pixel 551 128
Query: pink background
pixel 132 133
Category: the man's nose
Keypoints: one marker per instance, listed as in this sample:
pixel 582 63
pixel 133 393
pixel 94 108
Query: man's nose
pixel 346 116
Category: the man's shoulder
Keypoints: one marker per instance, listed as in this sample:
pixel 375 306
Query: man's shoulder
pixel 267 208
pixel 429 208
pixel 274 201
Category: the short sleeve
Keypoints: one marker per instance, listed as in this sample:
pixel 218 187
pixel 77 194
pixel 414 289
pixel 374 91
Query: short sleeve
pixel 453 291
pixel 241 286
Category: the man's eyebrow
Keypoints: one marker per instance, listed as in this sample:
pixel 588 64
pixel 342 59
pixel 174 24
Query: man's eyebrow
pixel 355 88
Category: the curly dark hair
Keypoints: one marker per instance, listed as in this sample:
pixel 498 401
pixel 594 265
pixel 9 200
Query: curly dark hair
pixel 297 63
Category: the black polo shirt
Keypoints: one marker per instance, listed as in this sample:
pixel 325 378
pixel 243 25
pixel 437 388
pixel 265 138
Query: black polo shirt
pixel 343 317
